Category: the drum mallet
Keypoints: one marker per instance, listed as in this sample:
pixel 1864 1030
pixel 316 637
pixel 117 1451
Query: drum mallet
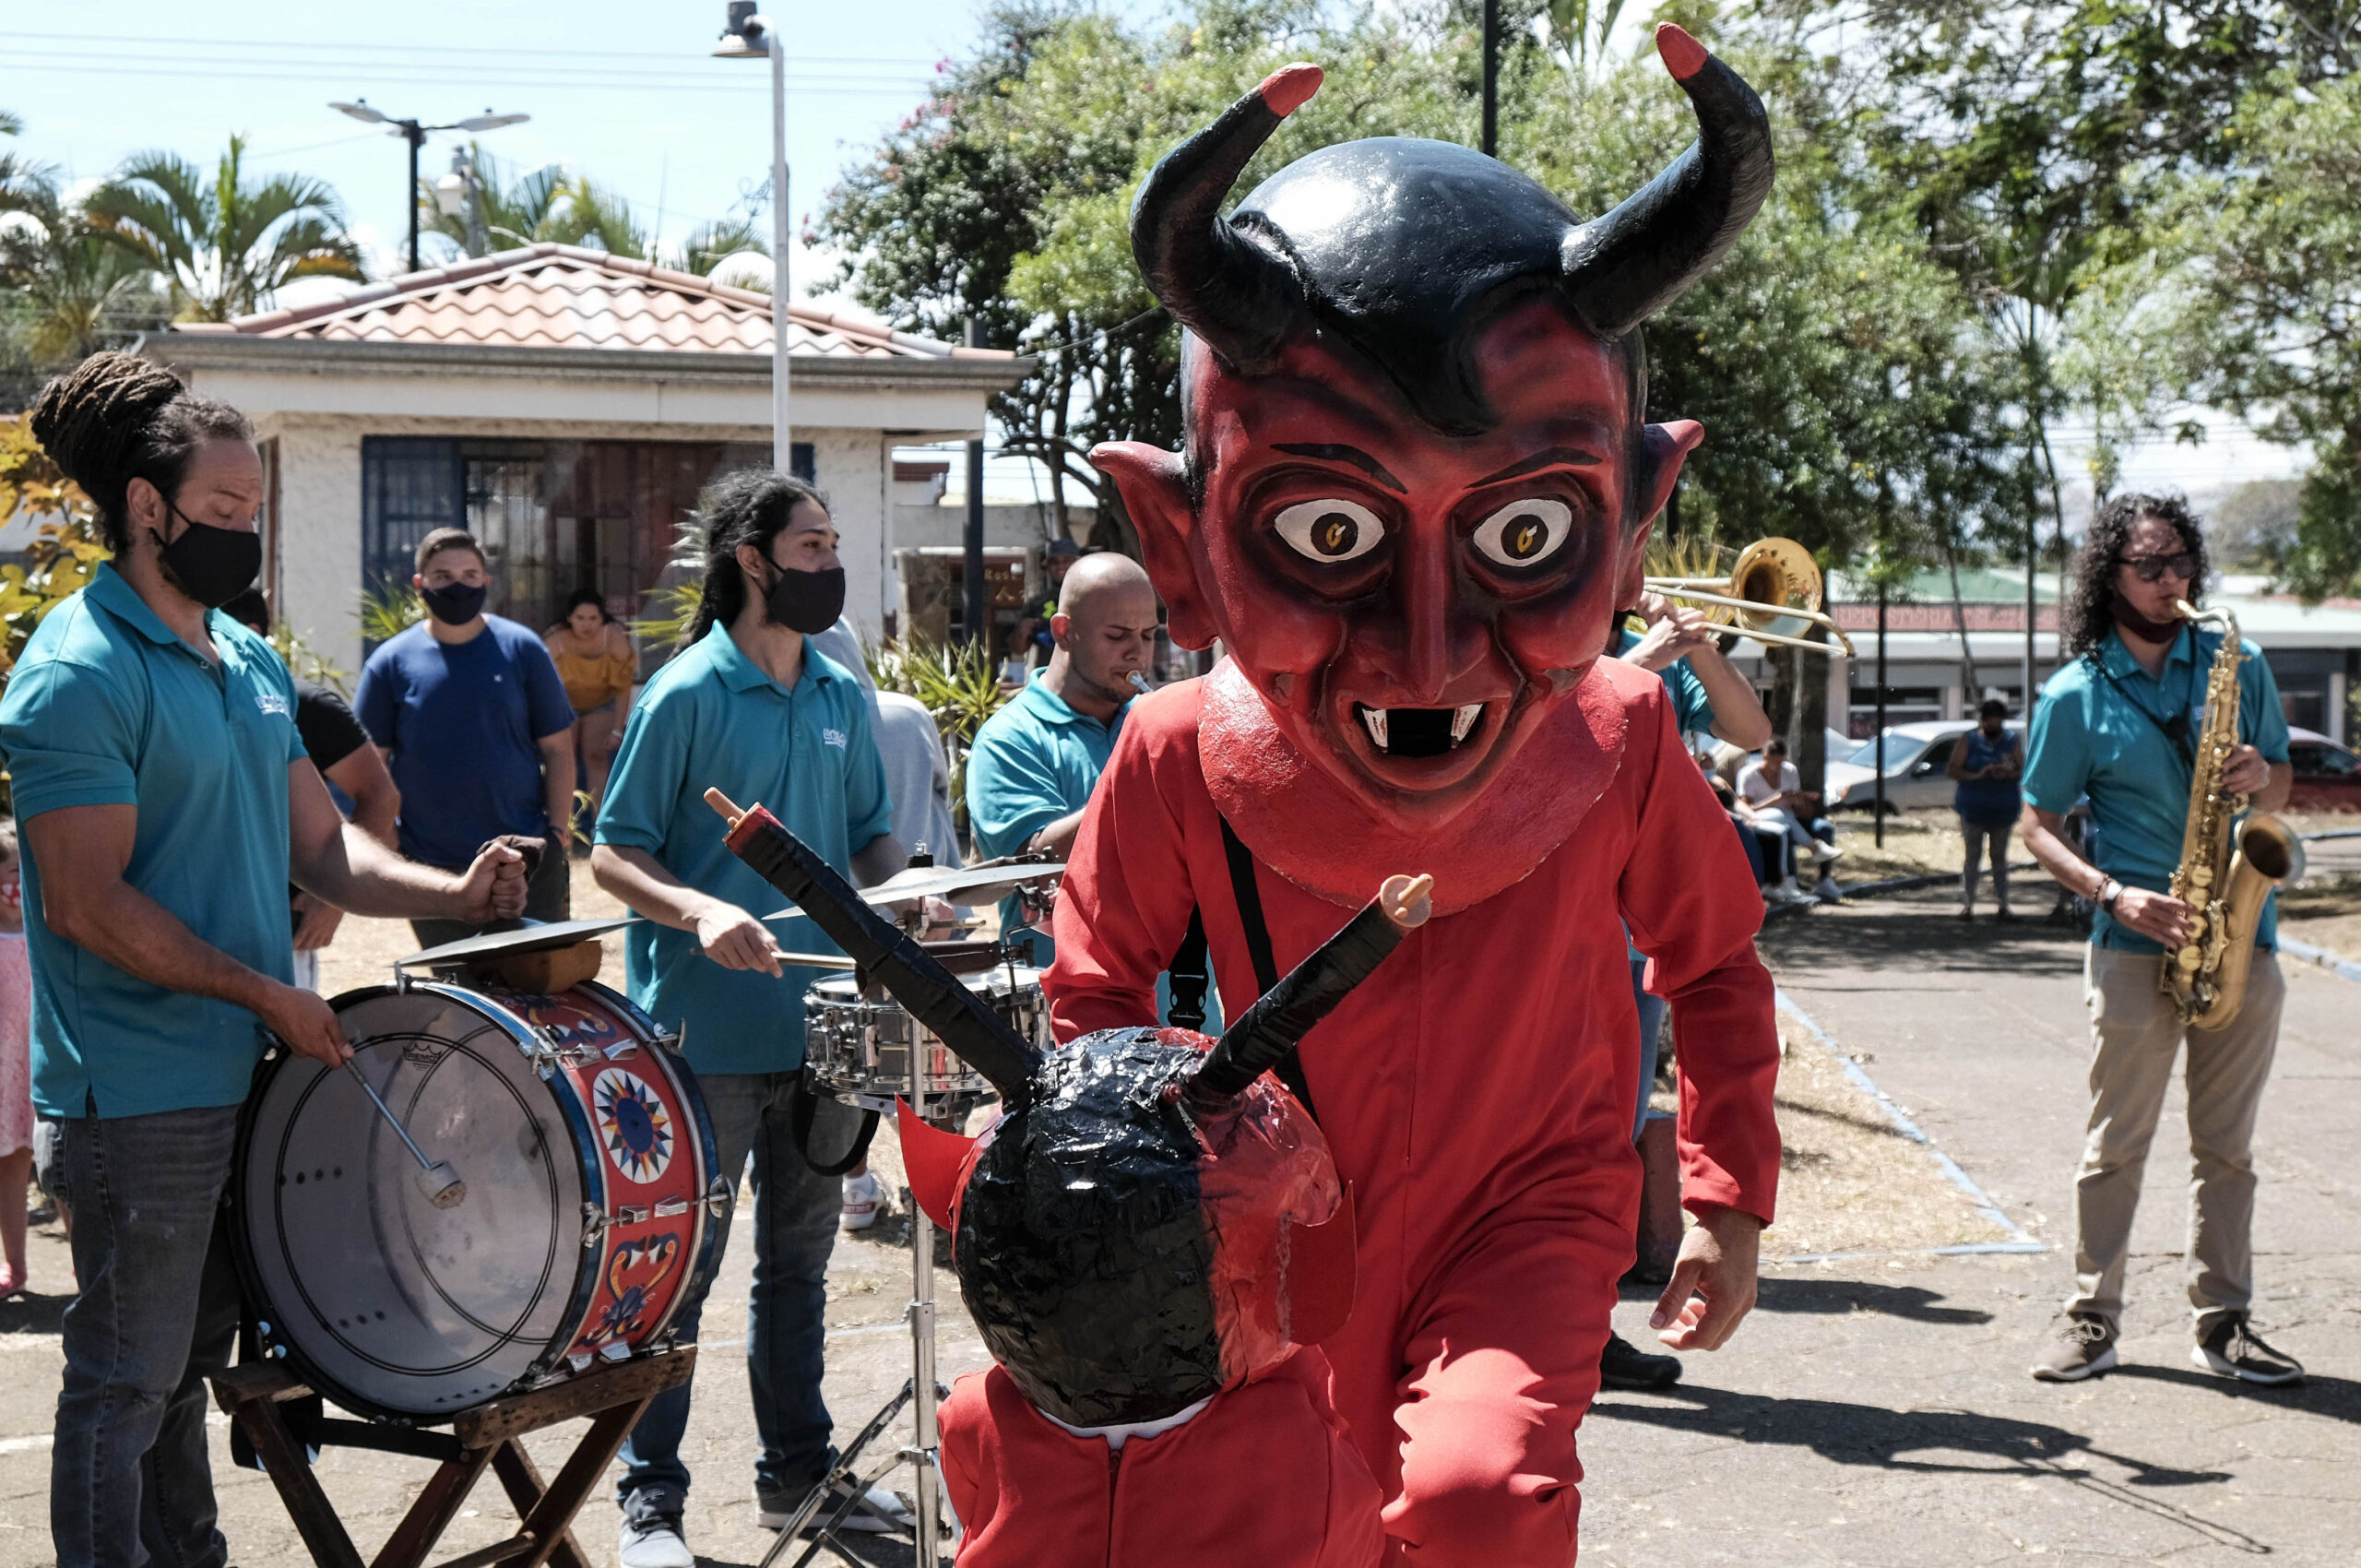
pixel 435 1177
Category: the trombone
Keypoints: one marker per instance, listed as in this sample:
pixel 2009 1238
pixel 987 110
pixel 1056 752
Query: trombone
pixel 1773 591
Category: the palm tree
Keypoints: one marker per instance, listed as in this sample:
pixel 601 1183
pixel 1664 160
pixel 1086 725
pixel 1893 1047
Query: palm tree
pixel 710 244
pixel 595 216
pixel 548 205
pixel 77 290
pixel 224 247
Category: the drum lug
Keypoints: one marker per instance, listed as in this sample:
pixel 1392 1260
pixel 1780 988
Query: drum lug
pixel 717 1196
pixel 632 1214
pixel 270 1347
pixel 594 1226
pixel 671 1208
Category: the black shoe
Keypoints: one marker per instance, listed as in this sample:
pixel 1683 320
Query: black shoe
pixel 1624 1365
pixel 2233 1350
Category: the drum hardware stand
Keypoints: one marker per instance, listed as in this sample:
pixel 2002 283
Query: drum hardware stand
pixel 615 1396
pixel 921 1392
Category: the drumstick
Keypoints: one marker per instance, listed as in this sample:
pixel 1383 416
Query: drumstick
pixel 435 1178
pixel 730 810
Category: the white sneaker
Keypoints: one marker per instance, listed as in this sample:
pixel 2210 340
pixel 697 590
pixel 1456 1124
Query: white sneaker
pixel 1828 892
pixel 1786 892
pixel 1824 853
pixel 654 1544
pixel 864 1198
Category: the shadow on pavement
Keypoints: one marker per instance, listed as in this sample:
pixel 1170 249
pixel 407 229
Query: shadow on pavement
pixel 1980 1444
pixel 1777 1294
pixel 33 1314
pixel 2336 1398
pixel 1903 938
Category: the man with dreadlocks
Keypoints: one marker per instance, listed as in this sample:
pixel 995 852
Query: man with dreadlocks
pixel 1416 482
pixel 167 802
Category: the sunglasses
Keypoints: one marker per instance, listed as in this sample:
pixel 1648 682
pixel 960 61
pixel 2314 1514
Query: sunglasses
pixel 2149 568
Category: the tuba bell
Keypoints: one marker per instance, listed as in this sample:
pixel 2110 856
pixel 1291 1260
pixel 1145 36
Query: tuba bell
pixel 1771 595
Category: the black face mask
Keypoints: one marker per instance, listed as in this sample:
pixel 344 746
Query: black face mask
pixel 806 602
pixel 212 565
pixel 454 604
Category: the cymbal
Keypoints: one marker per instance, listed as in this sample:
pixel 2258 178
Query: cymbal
pixel 938 882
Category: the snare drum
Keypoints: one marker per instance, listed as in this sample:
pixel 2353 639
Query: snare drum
pixel 857 1049
pixel 591 1188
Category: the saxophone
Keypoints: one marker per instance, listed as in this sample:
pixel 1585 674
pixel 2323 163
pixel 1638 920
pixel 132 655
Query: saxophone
pixel 2226 868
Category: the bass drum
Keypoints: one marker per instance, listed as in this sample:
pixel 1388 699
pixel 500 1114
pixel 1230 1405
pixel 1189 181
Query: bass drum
pixel 590 1190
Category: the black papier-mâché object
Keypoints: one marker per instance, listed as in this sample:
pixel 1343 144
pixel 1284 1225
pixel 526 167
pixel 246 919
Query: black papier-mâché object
pixel 1154 1218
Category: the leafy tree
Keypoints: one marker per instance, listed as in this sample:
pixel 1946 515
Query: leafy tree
pixel 76 291
pixel 62 560
pixel 2257 306
pixel 224 245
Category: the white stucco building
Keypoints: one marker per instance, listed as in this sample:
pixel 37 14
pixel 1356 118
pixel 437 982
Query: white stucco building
pixel 566 405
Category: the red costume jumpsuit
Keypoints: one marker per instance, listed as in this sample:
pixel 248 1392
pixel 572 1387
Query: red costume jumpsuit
pixel 1476 1092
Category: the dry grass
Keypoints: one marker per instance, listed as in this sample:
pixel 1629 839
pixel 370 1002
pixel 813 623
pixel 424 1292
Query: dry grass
pixel 1916 842
pixel 1850 1183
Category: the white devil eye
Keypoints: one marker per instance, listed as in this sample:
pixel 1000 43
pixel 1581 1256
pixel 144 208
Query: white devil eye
pixel 1329 532
pixel 1523 533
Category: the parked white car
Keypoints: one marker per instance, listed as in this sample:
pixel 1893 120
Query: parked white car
pixel 1915 757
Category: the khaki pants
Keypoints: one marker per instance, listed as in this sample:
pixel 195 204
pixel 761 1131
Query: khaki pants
pixel 2135 1034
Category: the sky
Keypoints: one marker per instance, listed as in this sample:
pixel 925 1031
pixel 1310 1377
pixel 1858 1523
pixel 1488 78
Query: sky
pixel 624 90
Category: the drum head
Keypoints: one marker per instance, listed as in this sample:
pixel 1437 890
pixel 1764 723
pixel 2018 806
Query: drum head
pixel 385 1302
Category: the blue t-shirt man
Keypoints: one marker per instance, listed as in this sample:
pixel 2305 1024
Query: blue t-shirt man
pixel 2100 731
pixel 464 722
pixel 107 707
pixel 1692 710
pixel 712 719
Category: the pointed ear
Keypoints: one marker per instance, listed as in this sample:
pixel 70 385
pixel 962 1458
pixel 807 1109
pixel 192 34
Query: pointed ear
pixel 1668 445
pixel 1322 1269
pixel 1155 487
pixel 1633 581
pixel 933 1159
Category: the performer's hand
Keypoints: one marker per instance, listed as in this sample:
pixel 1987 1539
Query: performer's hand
pixel 306 1023
pixel 736 940
pixel 1712 1283
pixel 2247 774
pixel 319 922
pixel 493 888
pixel 2156 916
pixel 1672 635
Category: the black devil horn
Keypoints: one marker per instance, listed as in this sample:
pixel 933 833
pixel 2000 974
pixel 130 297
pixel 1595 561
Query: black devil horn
pixel 1624 266
pixel 1238 296
pixel 932 994
pixel 1307 993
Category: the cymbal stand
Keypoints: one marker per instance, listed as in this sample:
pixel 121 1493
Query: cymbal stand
pixel 922 1393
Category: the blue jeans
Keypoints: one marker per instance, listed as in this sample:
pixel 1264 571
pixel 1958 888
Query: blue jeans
pixel 157 1309
pixel 795 1227
pixel 1652 1010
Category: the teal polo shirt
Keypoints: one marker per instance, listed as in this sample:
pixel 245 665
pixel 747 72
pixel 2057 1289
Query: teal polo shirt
pixel 711 718
pixel 2096 733
pixel 1032 761
pixel 1692 710
pixel 109 708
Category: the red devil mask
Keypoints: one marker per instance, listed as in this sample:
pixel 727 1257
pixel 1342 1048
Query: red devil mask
pixel 1415 478
pixel 1150 1221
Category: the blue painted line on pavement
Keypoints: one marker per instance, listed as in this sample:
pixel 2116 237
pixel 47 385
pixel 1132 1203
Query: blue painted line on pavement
pixel 2345 968
pixel 2018 1241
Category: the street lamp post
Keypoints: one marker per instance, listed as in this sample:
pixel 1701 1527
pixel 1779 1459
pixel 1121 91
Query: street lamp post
pixel 415 132
pixel 749 35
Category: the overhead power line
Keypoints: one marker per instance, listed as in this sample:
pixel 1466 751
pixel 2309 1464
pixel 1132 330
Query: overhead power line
pixel 903 87
pixel 247 46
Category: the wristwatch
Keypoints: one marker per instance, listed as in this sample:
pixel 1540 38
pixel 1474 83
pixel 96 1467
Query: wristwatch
pixel 2109 891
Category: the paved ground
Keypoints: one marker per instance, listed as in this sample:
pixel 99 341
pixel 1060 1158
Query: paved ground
pixel 1874 1411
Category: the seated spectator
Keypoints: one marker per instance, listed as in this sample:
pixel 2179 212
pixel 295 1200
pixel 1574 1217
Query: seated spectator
pixel 594 658
pixel 1770 792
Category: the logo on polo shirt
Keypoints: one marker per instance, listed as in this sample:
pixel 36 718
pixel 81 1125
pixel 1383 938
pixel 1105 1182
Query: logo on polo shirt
pixel 834 737
pixel 271 702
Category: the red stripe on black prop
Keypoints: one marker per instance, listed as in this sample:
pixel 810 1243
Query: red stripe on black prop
pixel 930 993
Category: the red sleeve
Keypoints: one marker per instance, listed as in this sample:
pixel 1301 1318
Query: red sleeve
pixel 1125 903
pixel 1690 902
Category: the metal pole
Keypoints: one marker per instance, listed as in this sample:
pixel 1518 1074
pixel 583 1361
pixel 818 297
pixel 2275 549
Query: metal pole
pixel 782 432
pixel 2033 569
pixel 414 134
pixel 1877 808
pixel 1491 143
pixel 926 1455
pixel 972 557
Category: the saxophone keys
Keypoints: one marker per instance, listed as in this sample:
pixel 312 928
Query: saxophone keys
pixel 2201 876
pixel 2188 958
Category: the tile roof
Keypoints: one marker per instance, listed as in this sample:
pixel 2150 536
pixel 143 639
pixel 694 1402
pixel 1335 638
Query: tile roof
pixel 549 296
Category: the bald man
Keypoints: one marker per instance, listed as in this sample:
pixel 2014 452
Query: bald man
pixel 1036 761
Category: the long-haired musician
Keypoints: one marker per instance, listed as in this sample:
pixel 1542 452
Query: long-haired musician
pixel 166 803
pixel 2118 723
